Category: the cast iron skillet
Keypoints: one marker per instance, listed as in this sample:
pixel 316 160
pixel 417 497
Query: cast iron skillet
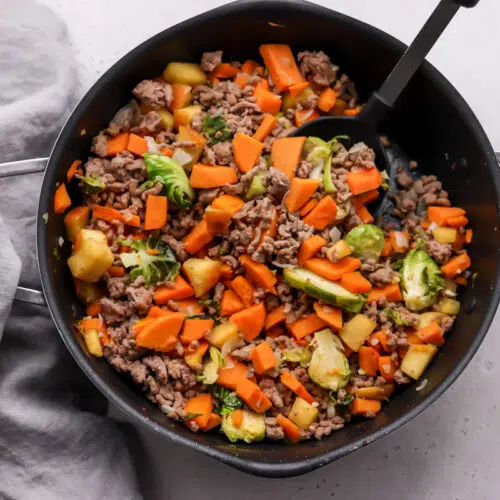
pixel 431 123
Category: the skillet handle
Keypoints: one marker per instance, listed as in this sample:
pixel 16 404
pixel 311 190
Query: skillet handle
pixel 467 3
pixel 24 167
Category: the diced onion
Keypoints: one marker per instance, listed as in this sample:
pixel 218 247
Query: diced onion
pixel 227 348
pixel 335 234
pixel 421 385
pixel 60 241
pixel 330 410
pixel 432 226
pixel 181 157
pixel 317 171
pixel 153 146
pixel 401 240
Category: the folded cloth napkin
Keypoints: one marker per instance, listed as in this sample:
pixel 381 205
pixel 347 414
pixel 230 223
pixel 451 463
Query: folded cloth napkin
pixel 55 442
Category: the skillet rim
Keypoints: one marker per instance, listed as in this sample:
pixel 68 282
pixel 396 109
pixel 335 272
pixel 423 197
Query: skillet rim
pixel 250 465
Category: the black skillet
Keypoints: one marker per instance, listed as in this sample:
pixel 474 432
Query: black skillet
pixel 431 123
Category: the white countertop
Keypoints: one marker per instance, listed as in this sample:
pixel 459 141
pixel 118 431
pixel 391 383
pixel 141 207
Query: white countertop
pixel 452 450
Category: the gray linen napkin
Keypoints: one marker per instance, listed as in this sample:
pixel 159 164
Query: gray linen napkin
pixel 53 443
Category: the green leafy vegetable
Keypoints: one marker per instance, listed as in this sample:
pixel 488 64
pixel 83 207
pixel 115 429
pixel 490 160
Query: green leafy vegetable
pixel 92 184
pixel 421 280
pixel 175 182
pixel 396 317
pixel 300 355
pixel 210 371
pixel 216 129
pixel 345 402
pixel 229 400
pixel 366 240
pixel 385 180
pixel 153 259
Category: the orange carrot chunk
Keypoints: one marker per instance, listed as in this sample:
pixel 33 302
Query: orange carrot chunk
pixel 110 214
pixel 332 316
pixel 297 88
pixel 322 214
pixel 327 100
pixel 275 317
pixel 285 154
pixel 333 270
pixel 229 377
pixel 267 125
pixel 161 333
pixel 392 293
pixel 363 213
pixel 246 151
pixel 116 271
pixel 365 407
pixel 268 101
pixel 292 432
pixel 431 334
pixel 300 192
pixel 281 64
pixel 302 116
pixel 458 221
pixel 205 176
pixel 306 325
pixel 387 367
pixel 250 321
pixel 364 180
pixel 295 386
pixel 440 215
pixel 225 70
pixel 213 421
pixel 195 329
pixel 259 273
pixel 199 408
pixel 200 236
pixel 237 418
pixel 73 170
pixel 117 144
pixel 156 212
pixel 355 282
pixel 310 248
pixel 263 358
pixel 308 207
pixel 62 201
pixel 252 395
pixel 244 289
pixel 137 144
pixel 456 265
pixel 368 360
pixel 468 236
pixel 230 303
pixel 179 289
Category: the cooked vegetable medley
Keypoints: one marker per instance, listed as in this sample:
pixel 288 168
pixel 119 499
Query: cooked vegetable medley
pixel 235 273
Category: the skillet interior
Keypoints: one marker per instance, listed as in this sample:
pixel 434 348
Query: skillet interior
pixel 431 123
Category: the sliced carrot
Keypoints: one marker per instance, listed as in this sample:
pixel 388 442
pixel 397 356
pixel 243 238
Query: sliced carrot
pixel 275 317
pixel 363 213
pixel 206 176
pixel 365 198
pixel 295 386
pixel 333 270
pixel 387 367
pixel 292 432
pixel 259 273
pixel 242 80
pixel 200 236
pixel 62 201
pixel 378 341
pixel 156 212
pixel 73 170
pixel 308 207
pixel 156 312
pixel 297 88
pixel 249 67
pixel 237 418
pixel 368 359
pixel 262 84
pixel 387 251
pixel 230 303
pixel 213 421
pixel 364 180
pixel 167 152
pixel 268 101
pixel 161 333
pixel 225 70
pixel 94 309
pixel 322 214
pixel 226 272
pixel 365 407
pixel 352 111
pixel 275 332
pixel 302 116
pixel 425 224
pixel 327 100
pixel 300 192
pixel 244 290
pixel 458 221
pixel 117 144
pixel 201 406
pixel 286 153
pixel 181 95
pixel 267 125
pixel 263 358
pixel 250 321
pixel 468 236
pixel 440 215
pixel 431 334
pixel 459 242
pixel 228 377
pixel 252 395
pixel 179 289
pixel 460 280
pixel 271 229
pixel 281 64
pixel 355 282
pixel 310 248
pixel 116 271
pixel 306 325
pixel 330 315
pixel 339 107
pixel 137 144
pixel 392 293
pixel 109 214
pixel 456 265
pixel 246 151
pixel 195 329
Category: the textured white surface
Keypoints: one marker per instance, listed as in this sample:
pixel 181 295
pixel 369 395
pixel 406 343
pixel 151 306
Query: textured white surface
pixel 452 451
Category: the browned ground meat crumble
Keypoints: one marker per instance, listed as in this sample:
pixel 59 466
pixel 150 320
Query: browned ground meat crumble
pixel 165 377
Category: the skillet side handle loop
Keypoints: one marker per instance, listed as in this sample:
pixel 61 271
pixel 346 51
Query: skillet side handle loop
pixel 466 3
